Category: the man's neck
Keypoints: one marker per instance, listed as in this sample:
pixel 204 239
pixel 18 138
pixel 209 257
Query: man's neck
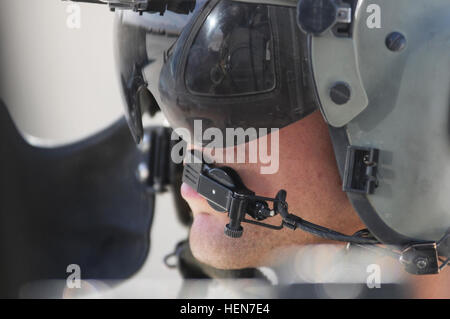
pixel 432 286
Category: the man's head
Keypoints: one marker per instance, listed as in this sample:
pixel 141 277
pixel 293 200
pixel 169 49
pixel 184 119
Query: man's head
pixel 371 84
pixel 307 171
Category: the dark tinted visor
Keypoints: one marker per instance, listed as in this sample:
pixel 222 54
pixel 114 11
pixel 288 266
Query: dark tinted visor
pixel 238 66
pixel 229 64
pixel 232 53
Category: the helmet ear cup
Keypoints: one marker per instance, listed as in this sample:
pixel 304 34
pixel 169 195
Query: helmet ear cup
pixel 412 139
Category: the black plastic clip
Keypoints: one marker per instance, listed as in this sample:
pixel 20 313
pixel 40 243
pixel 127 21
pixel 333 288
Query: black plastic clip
pixel 361 170
pixel 421 259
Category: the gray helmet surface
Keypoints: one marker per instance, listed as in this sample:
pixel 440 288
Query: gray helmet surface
pixel 398 79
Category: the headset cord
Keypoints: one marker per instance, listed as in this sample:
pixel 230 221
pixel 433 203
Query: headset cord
pixel 294 222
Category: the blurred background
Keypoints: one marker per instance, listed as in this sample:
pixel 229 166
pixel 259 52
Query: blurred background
pixel 58 82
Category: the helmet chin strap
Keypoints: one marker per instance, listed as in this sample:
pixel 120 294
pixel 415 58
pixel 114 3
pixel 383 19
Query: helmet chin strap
pixel 225 192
